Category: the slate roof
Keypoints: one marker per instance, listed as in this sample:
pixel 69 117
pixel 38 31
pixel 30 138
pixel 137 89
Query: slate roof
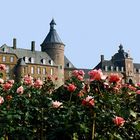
pixel 37 55
pixel 116 61
pixel 137 65
pixel 21 53
pixel 121 54
pixel 52 36
pixel 68 63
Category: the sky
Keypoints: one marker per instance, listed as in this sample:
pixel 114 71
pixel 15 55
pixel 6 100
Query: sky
pixel 88 28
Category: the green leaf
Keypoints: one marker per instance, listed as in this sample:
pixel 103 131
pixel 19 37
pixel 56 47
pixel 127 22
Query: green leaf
pixel 132 113
pixel 138 126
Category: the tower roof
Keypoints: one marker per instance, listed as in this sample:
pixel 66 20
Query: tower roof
pixel 52 36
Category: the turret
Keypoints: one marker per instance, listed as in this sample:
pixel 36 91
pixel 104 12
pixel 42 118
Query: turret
pixel 54 47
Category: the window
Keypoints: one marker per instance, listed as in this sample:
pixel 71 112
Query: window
pixel 68 65
pixel 70 73
pixel 44 70
pixel 51 62
pixel 7 69
pixel 51 71
pixel 26 59
pixel 128 65
pixel 4 58
pixel 106 68
pixel 117 69
pixel 32 70
pixel 32 60
pixel 111 68
pixel 43 61
pixel 38 71
pixel 11 59
pixel 122 69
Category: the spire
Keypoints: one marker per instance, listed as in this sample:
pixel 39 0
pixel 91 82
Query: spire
pixel 52 23
pixel 121 49
pixel 52 36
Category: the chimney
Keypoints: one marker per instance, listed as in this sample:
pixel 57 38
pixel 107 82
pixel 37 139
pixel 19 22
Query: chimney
pixel 14 43
pixel 33 46
pixel 102 58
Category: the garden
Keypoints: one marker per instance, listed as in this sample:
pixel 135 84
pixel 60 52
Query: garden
pixel 100 108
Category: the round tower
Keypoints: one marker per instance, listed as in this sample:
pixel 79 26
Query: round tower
pixel 54 47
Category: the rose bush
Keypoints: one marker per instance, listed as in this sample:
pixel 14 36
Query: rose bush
pixel 99 108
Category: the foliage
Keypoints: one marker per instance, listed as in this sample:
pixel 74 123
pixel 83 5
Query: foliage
pixel 99 108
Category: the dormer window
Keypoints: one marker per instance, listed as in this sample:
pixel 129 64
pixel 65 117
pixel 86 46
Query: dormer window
pixel 4 49
pixel 26 59
pixel 68 65
pixel 43 61
pixel 50 62
pixel 32 60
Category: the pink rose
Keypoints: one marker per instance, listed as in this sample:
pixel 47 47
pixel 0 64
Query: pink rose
pixel 89 101
pixel 119 121
pixel 28 80
pixel 79 77
pixel 7 86
pixel 138 91
pixel 75 73
pixel 81 72
pixel 11 81
pixel 56 104
pixel 114 78
pixel 38 83
pixel 95 75
pixel 2 67
pixel 20 90
pixel 71 87
pixel 1 100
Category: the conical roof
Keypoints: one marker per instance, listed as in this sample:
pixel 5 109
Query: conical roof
pixel 52 36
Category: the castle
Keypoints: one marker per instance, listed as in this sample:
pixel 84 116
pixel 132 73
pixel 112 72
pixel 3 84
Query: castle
pixel 52 61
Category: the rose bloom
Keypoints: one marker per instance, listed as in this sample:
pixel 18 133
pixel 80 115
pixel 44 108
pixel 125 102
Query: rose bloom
pixel 81 72
pixel 114 78
pixel 20 90
pixel 7 86
pixel 11 81
pixel 95 74
pixel 56 104
pixel 88 101
pixel 79 77
pixel 131 87
pixel 2 67
pixel 28 80
pixel 138 84
pixel 138 91
pixel 1 100
pixel 119 121
pixel 1 81
pixel 75 73
pixel 71 87
pixel 38 83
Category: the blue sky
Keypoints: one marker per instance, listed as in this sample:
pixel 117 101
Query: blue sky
pixel 88 28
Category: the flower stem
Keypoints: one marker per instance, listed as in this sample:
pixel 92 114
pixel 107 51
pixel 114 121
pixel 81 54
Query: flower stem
pixel 93 127
pixel 70 98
